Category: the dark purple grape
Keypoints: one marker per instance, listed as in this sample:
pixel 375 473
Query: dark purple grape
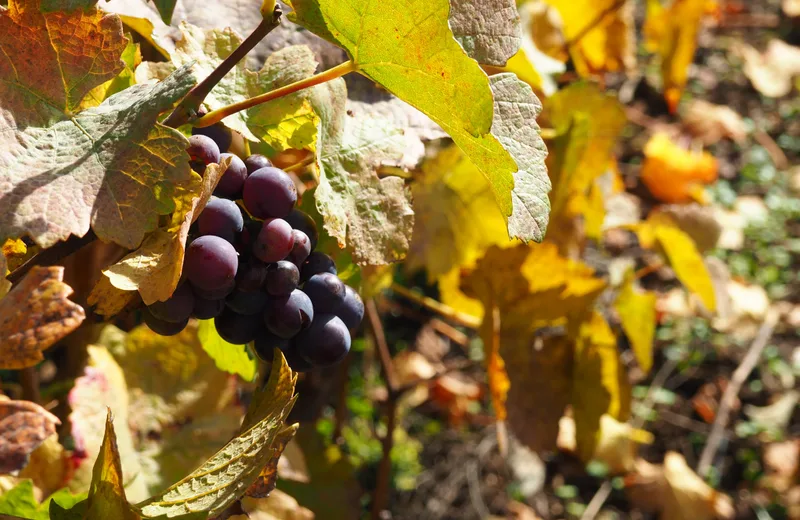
pixel 351 310
pixel 232 181
pixel 287 315
pixel 247 303
pixel 301 248
pixel 325 342
pixel 302 221
pixel 221 217
pixel 210 263
pixel 316 263
pixel 266 342
pixel 256 161
pixel 163 328
pixel 219 133
pixel 274 242
pixel 237 329
pixel 202 151
pixel 206 309
pixel 177 308
pixel 214 294
pixel 326 291
pixel 295 360
pixel 282 278
pixel 251 275
pixel 269 193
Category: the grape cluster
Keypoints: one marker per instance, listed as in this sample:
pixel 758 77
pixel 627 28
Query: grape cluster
pixel 255 272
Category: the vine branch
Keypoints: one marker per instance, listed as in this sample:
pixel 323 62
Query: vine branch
pixel 219 114
pixel 190 105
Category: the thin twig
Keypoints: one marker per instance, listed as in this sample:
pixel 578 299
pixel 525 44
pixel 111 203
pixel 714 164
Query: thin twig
pixel 602 494
pixel 460 318
pixel 594 22
pixel 189 106
pixel 381 494
pixel 738 378
pixel 52 255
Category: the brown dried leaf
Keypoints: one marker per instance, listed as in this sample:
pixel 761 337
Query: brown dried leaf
pixel 24 426
pixel 266 480
pixel 35 315
pixel 710 123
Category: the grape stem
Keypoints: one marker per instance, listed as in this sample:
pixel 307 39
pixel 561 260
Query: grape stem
pixel 190 105
pixel 219 114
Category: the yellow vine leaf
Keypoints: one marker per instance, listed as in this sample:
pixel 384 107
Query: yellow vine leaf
pixel 671 32
pixel 530 290
pixel 407 47
pixel 608 45
pixel 34 315
pixel 155 268
pixel 107 492
pixel 218 482
pixel 674 174
pixel 637 313
pixel 599 382
pixel 681 253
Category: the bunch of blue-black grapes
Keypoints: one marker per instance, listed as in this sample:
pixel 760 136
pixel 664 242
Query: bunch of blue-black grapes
pixel 255 272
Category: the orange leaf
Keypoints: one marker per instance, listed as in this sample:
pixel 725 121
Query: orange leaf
pixel 673 174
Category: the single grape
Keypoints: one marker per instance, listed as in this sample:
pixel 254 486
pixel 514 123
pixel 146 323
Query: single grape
pixel 232 181
pixel 302 221
pixel 282 278
pixel 256 161
pixel 219 133
pixel 214 294
pixel 301 248
pixel 247 303
pixel 269 193
pixel 274 242
pixel 177 308
pixel 221 217
pixel 206 309
pixel 326 291
pixel 251 275
pixel 325 342
pixel 316 263
pixel 210 263
pixel 351 310
pixel 202 151
pixel 287 315
pixel 266 342
pixel 236 328
pixel 163 328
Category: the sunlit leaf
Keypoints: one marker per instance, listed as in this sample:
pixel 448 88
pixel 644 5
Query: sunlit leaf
pixel 674 174
pixel 600 384
pixel 131 57
pixel 637 313
pixel 34 316
pixel 223 478
pixel 21 502
pixel 491 38
pixel 107 493
pixel 25 426
pixel 602 33
pixel 235 359
pixel 412 52
pixel 372 214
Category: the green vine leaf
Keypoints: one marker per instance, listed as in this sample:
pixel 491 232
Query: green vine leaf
pixel 111 167
pixel 408 47
pixel 491 38
pixel 373 214
pixel 107 493
pixel 21 502
pixel 228 357
pixel 224 478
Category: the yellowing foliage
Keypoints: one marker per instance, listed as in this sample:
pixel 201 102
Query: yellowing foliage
pixel 637 313
pixel 674 174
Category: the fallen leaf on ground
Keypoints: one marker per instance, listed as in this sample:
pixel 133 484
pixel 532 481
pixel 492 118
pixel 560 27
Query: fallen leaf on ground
pixel 711 123
pixel 617 442
pixel 773 71
pixel 697 221
pixel 748 306
pixel 674 174
pixel 35 315
pixel 277 506
pixel 25 426
pixel 675 492
pixel 775 417
pixel 454 394
pixel 747 211
pixel 781 464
